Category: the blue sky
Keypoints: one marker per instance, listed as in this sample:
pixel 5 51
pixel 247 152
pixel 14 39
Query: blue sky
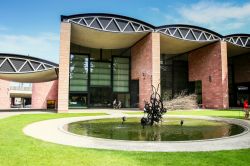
pixel 32 27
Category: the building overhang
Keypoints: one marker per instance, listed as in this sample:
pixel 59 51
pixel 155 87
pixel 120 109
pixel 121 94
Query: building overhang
pixel 93 38
pixel 31 77
pixel 174 46
pixel 179 38
pixel 17 93
pixel 234 50
pixel 21 68
pixel 106 31
pixel 238 44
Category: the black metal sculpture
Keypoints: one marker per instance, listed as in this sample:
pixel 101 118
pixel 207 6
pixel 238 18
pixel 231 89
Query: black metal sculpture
pixel 181 122
pixel 123 119
pixel 154 109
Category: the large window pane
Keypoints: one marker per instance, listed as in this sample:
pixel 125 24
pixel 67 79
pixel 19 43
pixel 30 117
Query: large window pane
pixel 78 73
pixel 121 74
pixel 77 100
pixel 100 74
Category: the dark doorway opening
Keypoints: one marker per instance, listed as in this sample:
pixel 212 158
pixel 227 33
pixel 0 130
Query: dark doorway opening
pixel 100 97
pixel 134 92
pixel 242 93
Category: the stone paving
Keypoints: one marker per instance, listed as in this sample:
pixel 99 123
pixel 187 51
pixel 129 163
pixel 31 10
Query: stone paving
pixel 53 131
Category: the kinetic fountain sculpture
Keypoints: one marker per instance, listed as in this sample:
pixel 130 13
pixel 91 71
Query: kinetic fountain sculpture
pixel 154 109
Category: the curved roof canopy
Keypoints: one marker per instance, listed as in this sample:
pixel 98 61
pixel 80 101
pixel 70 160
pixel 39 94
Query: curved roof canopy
pixel 102 39
pixel 188 32
pixel 121 32
pixel 238 44
pixel 21 68
pixel 177 39
pixel 107 31
pixel 109 22
pixel 242 40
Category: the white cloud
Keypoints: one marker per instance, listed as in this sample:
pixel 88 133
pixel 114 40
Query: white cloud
pixel 204 12
pixel 154 9
pixel 44 45
pixel 3 28
pixel 216 14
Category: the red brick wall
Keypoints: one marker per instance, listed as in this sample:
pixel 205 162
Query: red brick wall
pixel 4 94
pixel 242 69
pixel 41 92
pixel 145 65
pixel 211 61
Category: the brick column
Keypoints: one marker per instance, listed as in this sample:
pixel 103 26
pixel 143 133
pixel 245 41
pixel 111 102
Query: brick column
pixel 145 65
pixel 209 64
pixel 41 92
pixel 63 81
pixel 4 94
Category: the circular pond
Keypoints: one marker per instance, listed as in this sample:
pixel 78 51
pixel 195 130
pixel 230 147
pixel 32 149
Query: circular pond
pixel 169 130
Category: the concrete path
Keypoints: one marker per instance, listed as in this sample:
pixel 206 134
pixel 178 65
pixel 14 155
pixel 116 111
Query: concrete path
pixel 107 111
pixel 117 112
pixel 53 131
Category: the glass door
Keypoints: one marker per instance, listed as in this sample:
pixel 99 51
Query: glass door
pixel 100 97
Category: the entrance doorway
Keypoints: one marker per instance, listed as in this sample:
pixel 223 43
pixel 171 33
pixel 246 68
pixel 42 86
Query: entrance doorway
pixel 134 86
pixel 243 93
pixel 100 97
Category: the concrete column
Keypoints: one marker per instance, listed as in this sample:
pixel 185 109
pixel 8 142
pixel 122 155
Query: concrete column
pixel 145 65
pixel 209 64
pixel 156 60
pixel 4 94
pixel 63 81
pixel 41 92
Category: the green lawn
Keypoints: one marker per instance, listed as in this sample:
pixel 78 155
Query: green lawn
pixel 18 149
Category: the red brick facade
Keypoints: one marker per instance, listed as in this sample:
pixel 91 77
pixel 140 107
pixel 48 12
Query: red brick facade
pixel 4 94
pixel 145 65
pixel 41 92
pixel 209 64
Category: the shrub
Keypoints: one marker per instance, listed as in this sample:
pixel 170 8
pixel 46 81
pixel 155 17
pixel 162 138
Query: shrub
pixel 181 101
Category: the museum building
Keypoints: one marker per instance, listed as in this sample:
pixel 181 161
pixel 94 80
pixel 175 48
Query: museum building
pixel 105 57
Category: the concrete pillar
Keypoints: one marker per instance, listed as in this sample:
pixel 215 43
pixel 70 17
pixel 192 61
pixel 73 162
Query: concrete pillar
pixel 4 94
pixel 41 92
pixel 209 64
pixel 145 65
pixel 63 81
pixel 156 60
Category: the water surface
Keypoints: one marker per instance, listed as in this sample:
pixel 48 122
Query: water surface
pixel 169 130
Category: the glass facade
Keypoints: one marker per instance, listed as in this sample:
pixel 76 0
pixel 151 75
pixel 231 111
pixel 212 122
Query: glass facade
pixel 174 76
pixel 120 74
pixel 78 80
pixel 100 73
pixel 98 76
pixel 78 73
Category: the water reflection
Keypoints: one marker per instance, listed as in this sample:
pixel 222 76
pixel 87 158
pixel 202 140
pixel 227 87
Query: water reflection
pixel 170 130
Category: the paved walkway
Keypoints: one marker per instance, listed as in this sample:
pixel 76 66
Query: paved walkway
pixel 107 111
pixel 53 131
